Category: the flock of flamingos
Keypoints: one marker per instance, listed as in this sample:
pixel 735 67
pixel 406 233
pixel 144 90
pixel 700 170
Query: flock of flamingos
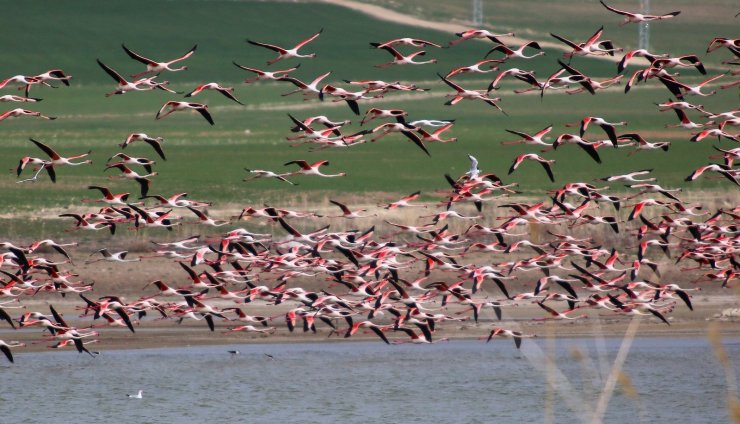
pixel 400 285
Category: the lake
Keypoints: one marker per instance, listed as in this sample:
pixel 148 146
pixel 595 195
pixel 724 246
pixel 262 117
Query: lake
pixel 676 380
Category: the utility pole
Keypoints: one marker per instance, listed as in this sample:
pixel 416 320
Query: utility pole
pixel 477 13
pixel 644 28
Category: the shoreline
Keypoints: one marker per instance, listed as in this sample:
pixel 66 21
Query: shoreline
pixel 151 334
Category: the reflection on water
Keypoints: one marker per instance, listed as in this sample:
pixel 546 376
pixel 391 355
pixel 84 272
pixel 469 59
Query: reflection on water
pixel 463 381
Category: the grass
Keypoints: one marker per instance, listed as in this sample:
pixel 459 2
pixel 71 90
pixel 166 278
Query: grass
pixel 208 161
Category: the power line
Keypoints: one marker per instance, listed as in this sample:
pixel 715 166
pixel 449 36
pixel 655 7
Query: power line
pixel 643 41
pixel 477 13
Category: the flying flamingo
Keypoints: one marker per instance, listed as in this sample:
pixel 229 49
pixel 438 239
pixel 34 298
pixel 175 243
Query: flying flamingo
pixel 312 169
pixel 590 46
pixel 287 53
pixel 347 213
pixel 56 160
pixel 479 33
pixel 129 160
pixel 14 113
pixel 124 85
pixel 407 41
pixel 155 142
pixel 462 93
pixel 685 122
pixel 153 66
pixel 476 68
pixel 509 52
pixel 651 57
pixel 126 172
pixel 536 139
pixel 226 91
pixel 307 89
pixel 108 196
pixel 680 89
pixel 5 348
pixel 630 17
pixel 176 106
pixel 531 156
pixel 399 59
pixel 261 75
pixel 12 98
pixel 516 335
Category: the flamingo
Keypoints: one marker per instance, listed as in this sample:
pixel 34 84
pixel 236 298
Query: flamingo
pixel 108 196
pixel 436 135
pixel 685 61
pixel 583 144
pixel 153 66
pixel 126 172
pixel 5 348
pixel 536 139
pixel 373 113
pixel 82 223
pixel 630 177
pixel 723 170
pixel 287 53
pixel 23 80
pixel 399 59
pixel 404 129
pixel 54 75
pixel 312 169
pixel 59 247
pixel 608 127
pixel 630 17
pixel 526 76
pixel 205 219
pixel 516 335
pixel 670 104
pixel 478 33
pixel 651 57
pixel 14 113
pixel 306 89
pixel 597 85
pixel 462 93
pixel 126 86
pixel 531 156
pixel 155 142
pixel 680 89
pixel 642 144
pixel 509 52
pixel 112 256
pixel 476 68
pixel 575 76
pixel 259 173
pixel 347 213
pixel 377 329
pixel 44 165
pixel 226 91
pixel 176 106
pixel 719 42
pixel 590 46
pixel 404 202
pixel 251 329
pixel 407 41
pixel 261 75
pixel 56 160
pixel 685 122
pixel 714 132
pixel 128 160
pixel 559 315
pixel 12 98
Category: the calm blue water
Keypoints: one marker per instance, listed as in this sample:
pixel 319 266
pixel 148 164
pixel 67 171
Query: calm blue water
pixel 678 381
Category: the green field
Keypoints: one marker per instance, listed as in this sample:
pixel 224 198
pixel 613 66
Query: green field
pixel 208 161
